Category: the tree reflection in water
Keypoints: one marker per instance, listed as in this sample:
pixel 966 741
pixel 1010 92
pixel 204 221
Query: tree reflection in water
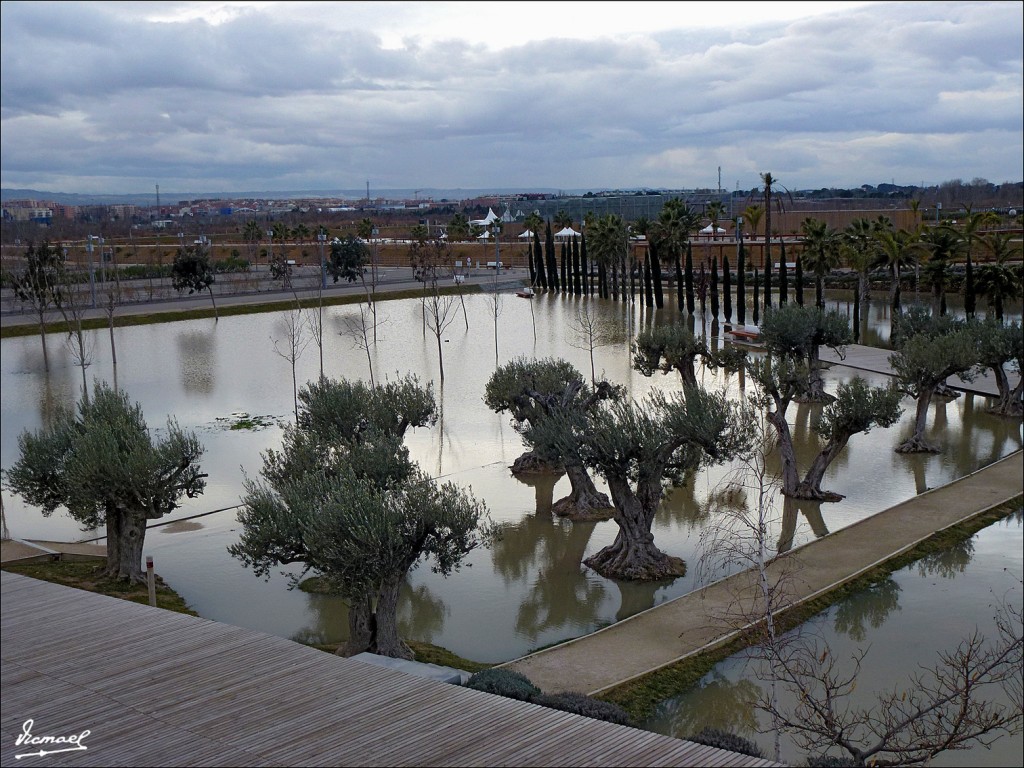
pixel 421 617
pixel 948 563
pixel 197 356
pixel 791 508
pixel 872 605
pixel 715 702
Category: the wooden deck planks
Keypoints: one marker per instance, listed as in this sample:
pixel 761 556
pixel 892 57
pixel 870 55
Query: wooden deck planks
pixel 158 688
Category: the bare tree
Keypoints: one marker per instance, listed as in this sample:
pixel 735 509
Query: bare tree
pixel 291 347
pixel 72 305
pixel 587 331
pixel 39 283
pixel 940 708
pixel 440 311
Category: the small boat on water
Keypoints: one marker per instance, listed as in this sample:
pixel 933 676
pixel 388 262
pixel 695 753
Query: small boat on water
pixel 525 293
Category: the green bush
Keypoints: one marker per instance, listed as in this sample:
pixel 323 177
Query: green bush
pixel 712 737
pixel 581 704
pixel 503 682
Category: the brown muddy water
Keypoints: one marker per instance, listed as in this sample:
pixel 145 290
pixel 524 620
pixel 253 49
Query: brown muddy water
pixel 529 590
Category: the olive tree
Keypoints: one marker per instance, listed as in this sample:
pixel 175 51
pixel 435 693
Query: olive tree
pixel 342 498
pixel 534 390
pixel 1000 346
pixel 639 448
pixel 921 365
pixel 359 528
pixel 192 270
pixel 103 465
pixel 798 333
pixel 674 347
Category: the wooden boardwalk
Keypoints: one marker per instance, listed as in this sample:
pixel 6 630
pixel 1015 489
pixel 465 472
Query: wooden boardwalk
pixel 155 688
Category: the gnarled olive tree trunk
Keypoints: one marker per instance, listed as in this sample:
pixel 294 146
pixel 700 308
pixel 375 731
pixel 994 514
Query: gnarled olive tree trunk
pixel 916 443
pixel 633 555
pixel 585 502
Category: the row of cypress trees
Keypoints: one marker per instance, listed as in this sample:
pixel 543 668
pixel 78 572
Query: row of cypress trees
pixel 567 270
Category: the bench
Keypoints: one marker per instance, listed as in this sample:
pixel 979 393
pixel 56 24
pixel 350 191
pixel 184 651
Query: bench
pixel 745 334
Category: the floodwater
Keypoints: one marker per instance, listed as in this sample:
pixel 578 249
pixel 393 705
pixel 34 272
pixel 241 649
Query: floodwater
pixel 529 590
pixel 903 623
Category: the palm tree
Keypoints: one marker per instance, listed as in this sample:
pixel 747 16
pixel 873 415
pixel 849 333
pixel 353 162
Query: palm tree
pixel 862 248
pixel 897 250
pixel 753 214
pixel 944 245
pixel 252 234
pixel 715 211
pixel 562 219
pixel 769 191
pixel 458 228
pixel 999 281
pixel 607 244
pixel 821 253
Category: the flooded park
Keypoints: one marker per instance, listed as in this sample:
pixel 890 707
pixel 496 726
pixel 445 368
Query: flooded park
pixel 529 588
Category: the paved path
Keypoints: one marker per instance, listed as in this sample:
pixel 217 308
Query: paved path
pixel 697 621
pixel 877 360
pixel 31 551
pixel 392 279
pixel 153 687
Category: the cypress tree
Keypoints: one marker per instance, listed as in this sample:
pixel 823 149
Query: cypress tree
pixel 529 259
pixel 767 285
pixel 538 256
pixel 648 289
pixel 856 316
pixel 726 289
pixel 566 285
pixel 741 286
pixel 783 277
pixel 549 255
pixel 714 289
pixel 577 287
pixel 970 300
pixel 680 293
pixel 799 281
pixel 757 297
pixel 659 296
pixel 615 281
pixel 588 289
pixel 689 278
pixel 703 293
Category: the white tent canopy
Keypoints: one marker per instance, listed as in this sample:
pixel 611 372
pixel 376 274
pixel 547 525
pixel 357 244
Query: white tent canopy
pixel 567 232
pixel 486 220
pixel 484 236
pixel 526 234
pixel 709 229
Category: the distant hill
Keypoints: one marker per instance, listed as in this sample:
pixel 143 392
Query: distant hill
pixel 169 197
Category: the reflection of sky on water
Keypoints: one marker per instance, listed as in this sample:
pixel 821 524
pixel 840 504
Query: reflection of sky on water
pixel 905 621
pixel 529 590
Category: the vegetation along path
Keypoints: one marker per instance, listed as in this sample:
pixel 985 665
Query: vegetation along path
pixel 697 622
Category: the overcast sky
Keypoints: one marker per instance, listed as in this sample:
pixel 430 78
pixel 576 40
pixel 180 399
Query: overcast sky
pixel 230 96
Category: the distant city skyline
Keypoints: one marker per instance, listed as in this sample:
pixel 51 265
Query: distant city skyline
pixel 231 97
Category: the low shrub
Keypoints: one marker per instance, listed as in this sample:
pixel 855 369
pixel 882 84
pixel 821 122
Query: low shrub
pixel 504 682
pixel 712 737
pixel 581 704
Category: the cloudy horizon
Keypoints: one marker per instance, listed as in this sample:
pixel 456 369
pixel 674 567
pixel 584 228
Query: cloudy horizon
pixel 112 98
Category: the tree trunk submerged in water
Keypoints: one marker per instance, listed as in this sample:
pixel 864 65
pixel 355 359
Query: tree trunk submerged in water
pixel 531 464
pixel 585 502
pixel 633 555
pixel 917 443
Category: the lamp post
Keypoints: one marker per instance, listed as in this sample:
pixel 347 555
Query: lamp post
pixel 321 239
pixel 92 270
pixel 496 231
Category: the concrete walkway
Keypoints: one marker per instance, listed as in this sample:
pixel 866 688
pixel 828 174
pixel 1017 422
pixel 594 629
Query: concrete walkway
pixel 877 360
pixel 392 279
pixel 700 620
pixel 18 551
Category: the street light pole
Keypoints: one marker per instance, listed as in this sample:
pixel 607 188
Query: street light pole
pixel 321 238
